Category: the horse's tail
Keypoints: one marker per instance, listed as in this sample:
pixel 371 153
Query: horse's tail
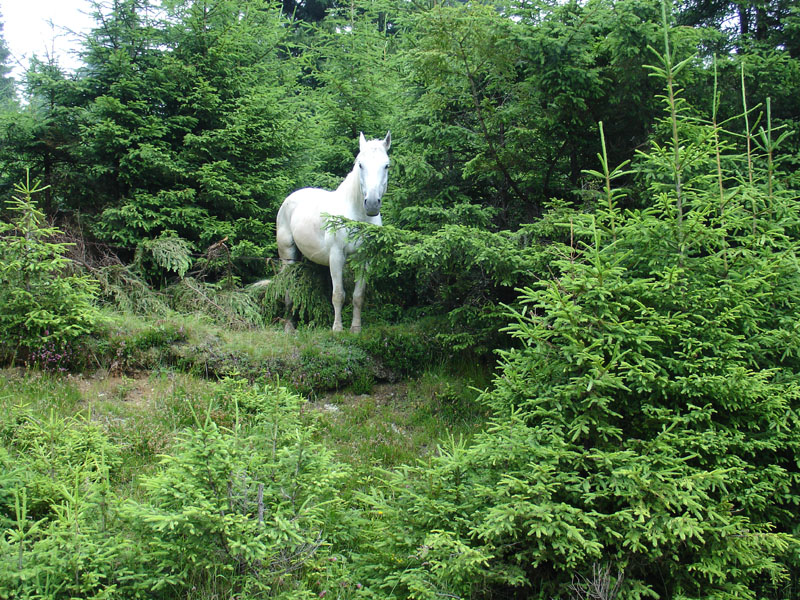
pixel 261 284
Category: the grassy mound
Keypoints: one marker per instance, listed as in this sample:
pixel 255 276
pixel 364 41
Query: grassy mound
pixel 311 361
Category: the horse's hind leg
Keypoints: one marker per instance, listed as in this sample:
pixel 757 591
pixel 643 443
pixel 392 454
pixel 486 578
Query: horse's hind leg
pixel 289 254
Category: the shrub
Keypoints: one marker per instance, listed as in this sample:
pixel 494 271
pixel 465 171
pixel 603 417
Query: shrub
pixel 254 510
pixel 309 287
pixel 124 343
pixel 402 350
pixel 46 310
pixel 60 538
pixel 330 365
pixel 249 510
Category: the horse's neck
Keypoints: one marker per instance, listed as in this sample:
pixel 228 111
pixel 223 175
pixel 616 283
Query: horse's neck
pixel 350 188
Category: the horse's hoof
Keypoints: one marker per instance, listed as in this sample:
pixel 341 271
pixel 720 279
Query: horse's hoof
pixel 338 327
pixel 288 327
pixel 355 329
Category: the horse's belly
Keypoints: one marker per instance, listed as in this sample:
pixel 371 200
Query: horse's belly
pixel 310 236
pixel 315 253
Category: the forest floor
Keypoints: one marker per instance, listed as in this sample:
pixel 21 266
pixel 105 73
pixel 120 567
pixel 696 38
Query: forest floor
pixel 149 380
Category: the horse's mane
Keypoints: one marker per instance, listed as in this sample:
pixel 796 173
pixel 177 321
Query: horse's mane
pixel 349 188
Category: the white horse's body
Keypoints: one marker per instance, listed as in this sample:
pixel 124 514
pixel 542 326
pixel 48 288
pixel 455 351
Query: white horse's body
pixel 301 222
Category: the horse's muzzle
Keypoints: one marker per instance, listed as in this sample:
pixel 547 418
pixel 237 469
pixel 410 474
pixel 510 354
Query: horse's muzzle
pixel 372 207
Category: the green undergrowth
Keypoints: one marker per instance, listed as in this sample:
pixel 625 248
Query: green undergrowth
pixel 168 485
pixel 310 361
pixel 86 516
pixel 399 423
pixel 142 413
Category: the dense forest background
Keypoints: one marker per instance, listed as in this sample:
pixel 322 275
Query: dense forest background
pixel 602 195
pixel 191 121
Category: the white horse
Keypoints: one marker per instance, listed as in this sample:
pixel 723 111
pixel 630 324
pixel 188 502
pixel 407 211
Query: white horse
pixel 301 222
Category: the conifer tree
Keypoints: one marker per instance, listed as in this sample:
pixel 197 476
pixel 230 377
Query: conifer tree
pixel 179 125
pixel 645 428
pixel 7 84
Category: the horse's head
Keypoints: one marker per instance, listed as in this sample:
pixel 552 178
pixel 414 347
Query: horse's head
pixel 372 163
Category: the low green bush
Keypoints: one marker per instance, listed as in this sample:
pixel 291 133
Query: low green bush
pixel 403 350
pixel 328 364
pixel 47 311
pixel 126 343
pixel 60 540
pixel 251 510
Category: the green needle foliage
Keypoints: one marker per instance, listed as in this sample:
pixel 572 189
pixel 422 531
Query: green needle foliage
pixel 44 307
pixel 309 287
pixel 647 422
pixel 252 510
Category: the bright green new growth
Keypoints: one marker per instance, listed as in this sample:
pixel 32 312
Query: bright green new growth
pixel 45 308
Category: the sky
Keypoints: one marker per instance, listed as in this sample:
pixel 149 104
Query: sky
pixel 27 30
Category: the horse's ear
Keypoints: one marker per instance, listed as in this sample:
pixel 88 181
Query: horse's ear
pixel 362 142
pixel 387 141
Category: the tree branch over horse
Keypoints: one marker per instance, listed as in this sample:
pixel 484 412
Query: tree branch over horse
pixel 302 219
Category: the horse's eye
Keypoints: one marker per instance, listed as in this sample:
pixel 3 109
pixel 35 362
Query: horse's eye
pixel 386 167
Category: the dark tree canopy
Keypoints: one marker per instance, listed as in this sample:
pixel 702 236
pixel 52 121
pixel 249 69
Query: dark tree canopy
pixel 770 23
pixel 311 11
pixel 496 106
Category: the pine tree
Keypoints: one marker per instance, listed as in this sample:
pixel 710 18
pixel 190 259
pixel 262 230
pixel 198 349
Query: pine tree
pixel 7 85
pixel 180 125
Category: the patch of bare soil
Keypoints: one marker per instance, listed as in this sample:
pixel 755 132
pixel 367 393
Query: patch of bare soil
pixel 381 394
pixel 135 391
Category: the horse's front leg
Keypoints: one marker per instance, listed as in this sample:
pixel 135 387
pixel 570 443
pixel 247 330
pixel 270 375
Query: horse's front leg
pixel 358 302
pixel 337 268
